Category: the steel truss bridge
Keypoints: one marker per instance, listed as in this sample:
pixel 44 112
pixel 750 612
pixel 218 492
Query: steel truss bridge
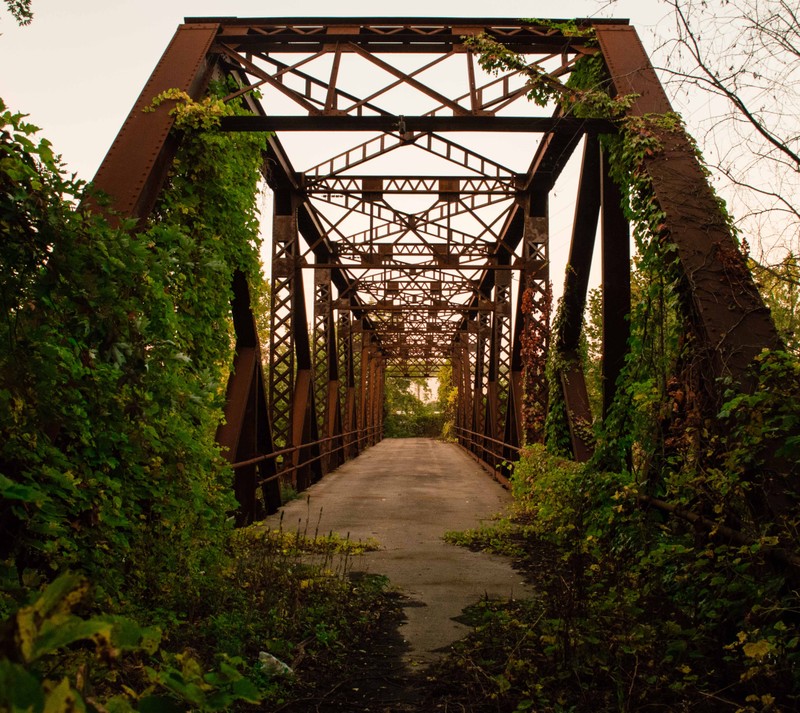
pixel 411 229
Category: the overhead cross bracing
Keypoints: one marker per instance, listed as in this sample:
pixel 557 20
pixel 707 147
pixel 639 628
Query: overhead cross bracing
pixel 411 227
pixel 417 269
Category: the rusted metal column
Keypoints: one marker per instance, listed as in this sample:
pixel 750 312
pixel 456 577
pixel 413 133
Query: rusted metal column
pixel 501 334
pixel 281 353
pixel 326 372
pixel 724 309
pixel 293 399
pixel 379 388
pixel 474 375
pixel 364 390
pixel 576 282
pixel 536 306
pixel 347 390
pixel 616 281
pixel 246 433
pixel 480 404
pixel 354 405
pixel 137 163
pixel 461 383
pixel 513 434
pixel 319 352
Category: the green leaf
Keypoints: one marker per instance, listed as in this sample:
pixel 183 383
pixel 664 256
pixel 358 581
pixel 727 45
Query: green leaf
pixel 52 608
pixel 160 704
pixel 19 690
pixel 63 699
pixel 9 490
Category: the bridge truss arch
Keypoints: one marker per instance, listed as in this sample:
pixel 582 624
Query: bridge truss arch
pixel 411 229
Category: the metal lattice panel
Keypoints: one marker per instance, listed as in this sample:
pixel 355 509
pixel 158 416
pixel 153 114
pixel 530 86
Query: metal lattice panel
pixel 417 184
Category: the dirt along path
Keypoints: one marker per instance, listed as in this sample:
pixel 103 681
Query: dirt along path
pixel 406 493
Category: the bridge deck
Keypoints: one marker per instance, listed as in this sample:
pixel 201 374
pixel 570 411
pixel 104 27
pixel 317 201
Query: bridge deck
pixel 407 493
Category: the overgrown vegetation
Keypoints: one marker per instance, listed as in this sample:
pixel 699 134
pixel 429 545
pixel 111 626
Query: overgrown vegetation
pixel 635 610
pixel 666 567
pixel 409 411
pixel 122 583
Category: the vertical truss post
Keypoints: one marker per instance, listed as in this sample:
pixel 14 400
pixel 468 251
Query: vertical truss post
pixel 245 433
pixel 326 371
pixel 291 376
pixel 378 393
pixel 502 336
pixel 364 389
pixel 536 305
pixel 616 280
pixel 576 282
pixel 281 353
pixel 321 358
pixel 468 355
pixel 347 384
pixel 334 429
pixel 513 435
pixel 475 376
pixel 480 404
pixel 461 382
pixel 356 330
pixel 491 364
pixel 512 430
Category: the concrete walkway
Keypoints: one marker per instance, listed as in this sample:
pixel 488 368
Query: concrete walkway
pixel 406 493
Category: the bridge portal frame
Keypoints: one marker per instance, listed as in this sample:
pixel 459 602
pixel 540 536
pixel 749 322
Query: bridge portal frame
pixel 321 402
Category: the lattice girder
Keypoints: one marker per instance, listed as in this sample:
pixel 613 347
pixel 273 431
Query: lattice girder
pixel 421 222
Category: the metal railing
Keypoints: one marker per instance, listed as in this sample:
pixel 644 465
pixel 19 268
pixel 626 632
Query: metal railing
pixel 363 437
pixel 498 459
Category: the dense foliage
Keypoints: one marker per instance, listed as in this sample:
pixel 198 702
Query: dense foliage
pixel 409 411
pixel 666 567
pixel 122 583
pixel 115 354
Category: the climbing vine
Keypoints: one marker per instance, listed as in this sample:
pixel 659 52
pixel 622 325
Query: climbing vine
pixel 129 328
pixel 122 583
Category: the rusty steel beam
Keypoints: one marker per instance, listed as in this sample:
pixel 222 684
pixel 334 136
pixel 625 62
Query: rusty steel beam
pixel 246 431
pixel 616 283
pixel 576 401
pixel 579 262
pixel 725 310
pixel 573 303
pixel 417 124
pixel 136 165
pixel 412 185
